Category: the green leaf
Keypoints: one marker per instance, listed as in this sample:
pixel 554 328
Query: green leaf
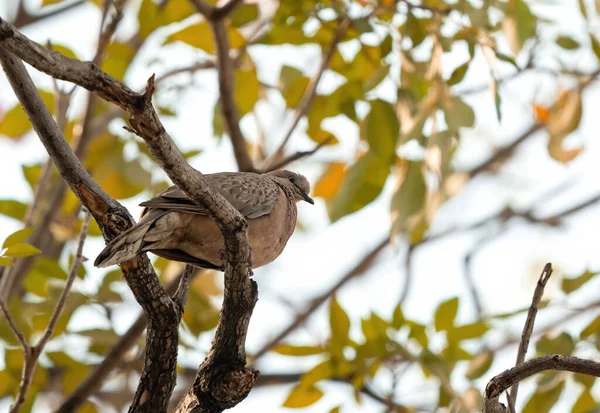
pixel 340 327
pixel 519 24
pixel 398 318
pixel 585 403
pixel 13 209
pixel 50 2
pixel 416 29
pixel 199 35
pixel 17 237
pixel 561 344
pixel 583 9
pixel 48 267
pixel 6 262
pixel 458 114
pixel 63 50
pixel 410 197
pixel 32 174
pixel 595 46
pixel 290 350
pixel 244 14
pixel 567 43
pixel 459 74
pixel 591 328
pixel 374 328
pixel 190 154
pixel 153 15
pixel 381 129
pixel 467 331
pixel 15 123
pixel 479 365
pixel 37 284
pixel 21 250
pixel 506 58
pixel 302 396
pixel 217 122
pixel 543 402
pixel 497 100
pixel 572 284
pixel 362 184
pixel 117 60
pixel 445 314
pixel 321 371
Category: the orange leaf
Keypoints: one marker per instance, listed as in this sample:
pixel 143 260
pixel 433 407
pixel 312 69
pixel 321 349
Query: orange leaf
pixel 331 180
pixel 541 113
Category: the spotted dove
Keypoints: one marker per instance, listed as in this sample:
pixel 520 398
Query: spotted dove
pixel 174 227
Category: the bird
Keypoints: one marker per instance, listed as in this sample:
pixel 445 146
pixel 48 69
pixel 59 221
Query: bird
pixel 173 226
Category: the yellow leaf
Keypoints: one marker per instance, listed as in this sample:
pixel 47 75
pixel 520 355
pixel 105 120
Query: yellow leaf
pixel 118 58
pixel 340 327
pixel 445 314
pixel 321 136
pixel 6 262
pixel 302 396
pixel 15 123
pixel 17 237
pixel 289 350
pixel 246 90
pixel 21 250
pixel 330 182
pixel 50 2
pixel 199 35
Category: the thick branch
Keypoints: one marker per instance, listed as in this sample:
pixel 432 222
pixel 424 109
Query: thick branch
pixel 229 109
pixel 226 360
pixel 156 385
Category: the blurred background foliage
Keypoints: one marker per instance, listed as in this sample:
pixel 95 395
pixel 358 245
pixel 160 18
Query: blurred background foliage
pixel 399 76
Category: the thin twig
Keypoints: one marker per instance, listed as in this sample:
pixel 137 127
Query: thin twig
pixel 13 325
pixel 315 303
pixel 528 327
pixel 32 354
pixel 24 18
pixel 112 359
pixel 559 362
pixel 311 90
pixel 298 155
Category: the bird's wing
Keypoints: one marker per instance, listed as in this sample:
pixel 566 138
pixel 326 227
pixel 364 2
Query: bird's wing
pixel 251 194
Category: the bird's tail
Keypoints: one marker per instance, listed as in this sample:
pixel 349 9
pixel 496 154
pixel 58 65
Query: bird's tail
pixel 129 243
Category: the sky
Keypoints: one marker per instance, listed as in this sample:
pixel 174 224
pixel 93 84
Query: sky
pixel 505 270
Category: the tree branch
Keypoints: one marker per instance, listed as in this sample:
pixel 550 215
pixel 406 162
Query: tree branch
pixel 25 18
pixel 94 380
pixel 528 327
pixel 510 377
pixel 227 93
pixel 300 318
pixel 32 354
pixel 311 90
pixel 225 362
pixel 298 155
pixel 158 377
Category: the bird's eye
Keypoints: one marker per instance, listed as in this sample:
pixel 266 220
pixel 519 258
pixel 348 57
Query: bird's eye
pixel 291 178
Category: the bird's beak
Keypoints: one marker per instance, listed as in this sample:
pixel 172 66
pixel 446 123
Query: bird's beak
pixel 307 198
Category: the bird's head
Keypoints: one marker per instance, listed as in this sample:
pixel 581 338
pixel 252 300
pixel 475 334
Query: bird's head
pixel 299 184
